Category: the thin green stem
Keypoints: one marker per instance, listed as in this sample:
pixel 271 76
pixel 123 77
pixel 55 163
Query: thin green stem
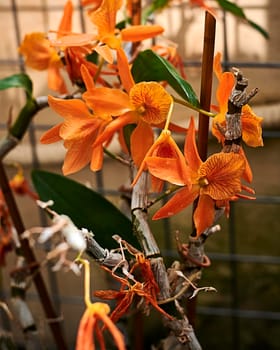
pixel 115 157
pixel 163 195
pixel 197 109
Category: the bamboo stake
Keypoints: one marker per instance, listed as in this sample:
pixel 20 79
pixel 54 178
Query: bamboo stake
pixel 203 122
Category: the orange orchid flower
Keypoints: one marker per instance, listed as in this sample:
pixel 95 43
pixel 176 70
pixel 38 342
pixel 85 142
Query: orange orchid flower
pixel 216 179
pixel 109 38
pixel 78 131
pixel 168 153
pixel 40 55
pixel 94 313
pixel 146 105
pixel 251 123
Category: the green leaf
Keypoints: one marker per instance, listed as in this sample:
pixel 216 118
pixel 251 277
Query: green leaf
pixel 20 80
pixel 148 66
pixel 86 208
pixel 237 11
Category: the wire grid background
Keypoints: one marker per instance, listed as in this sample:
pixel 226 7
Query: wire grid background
pixel 20 17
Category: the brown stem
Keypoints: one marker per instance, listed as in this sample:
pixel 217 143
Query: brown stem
pixel 206 83
pixel 203 123
pixel 31 260
pixel 136 13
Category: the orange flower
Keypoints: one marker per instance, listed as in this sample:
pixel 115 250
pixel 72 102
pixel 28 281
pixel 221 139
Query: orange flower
pixel 109 38
pixel 40 55
pixel 216 179
pixel 166 152
pixel 94 313
pixel 146 105
pixel 251 124
pixel 89 325
pixel 79 131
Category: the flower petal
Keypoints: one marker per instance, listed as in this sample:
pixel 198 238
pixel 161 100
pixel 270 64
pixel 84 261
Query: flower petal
pixel 97 158
pixel 78 155
pixel 204 214
pixel 166 169
pixel 251 127
pixel 105 17
pixel 115 125
pixel 190 149
pixel 69 108
pixel 124 70
pixel 181 199
pixel 66 20
pixel 51 135
pixel 140 145
pixel 107 101
pixel 224 89
pixel 223 172
pixel 140 32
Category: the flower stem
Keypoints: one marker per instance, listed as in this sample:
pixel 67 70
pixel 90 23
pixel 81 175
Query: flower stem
pixel 197 109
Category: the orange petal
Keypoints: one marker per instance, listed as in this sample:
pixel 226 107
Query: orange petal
pixel 66 21
pixel 251 127
pixel 105 16
pixel 204 214
pixel 85 332
pixel 124 70
pixel 55 80
pixel 166 169
pixel 107 101
pixel 114 126
pixel 190 149
pixel 218 119
pixel 51 135
pixel 74 40
pixel 223 172
pixel 69 108
pixel 87 78
pixel 248 174
pixel 97 158
pixel 116 333
pixel 224 89
pixel 105 52
pixel 141 32
pixel 217 65
pixel 177 203
pixel 139 144
pixel 77 157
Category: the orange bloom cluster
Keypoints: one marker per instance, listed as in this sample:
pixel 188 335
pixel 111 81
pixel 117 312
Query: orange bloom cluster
pixel 71 50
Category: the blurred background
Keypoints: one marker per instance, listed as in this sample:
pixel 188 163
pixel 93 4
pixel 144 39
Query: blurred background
pixel 245 254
